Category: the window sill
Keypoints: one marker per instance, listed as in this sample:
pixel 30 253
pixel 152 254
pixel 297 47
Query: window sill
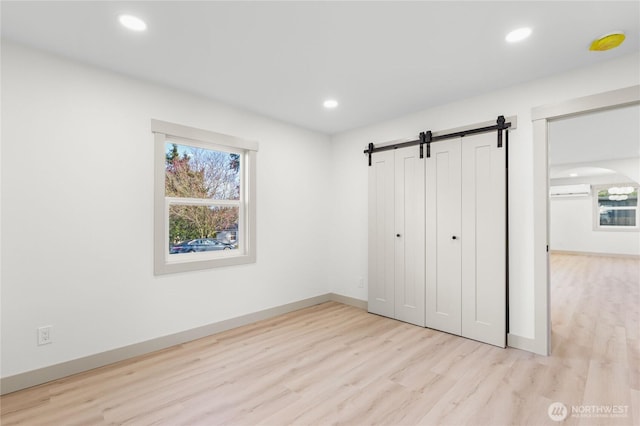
pixel 617 229
pixel 195 264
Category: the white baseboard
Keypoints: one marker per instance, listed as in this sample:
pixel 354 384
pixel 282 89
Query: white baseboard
pixel 346 300
pixel 58 371
pixel 590 253
pixel 524 343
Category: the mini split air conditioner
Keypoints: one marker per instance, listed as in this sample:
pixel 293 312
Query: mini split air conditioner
pixel 581 190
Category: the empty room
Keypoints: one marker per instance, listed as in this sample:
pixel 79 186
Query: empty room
pixel 322 212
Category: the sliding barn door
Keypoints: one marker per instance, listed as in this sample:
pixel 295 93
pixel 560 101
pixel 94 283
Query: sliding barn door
pixel 466 238
pixel 443 252
pixel 382 234
pixel 409 243
pixel 396 235
pixel 437 237
pixel 483 240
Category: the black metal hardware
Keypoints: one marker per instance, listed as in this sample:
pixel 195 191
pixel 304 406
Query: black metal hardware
pixel 506 229
pixel 428 138
pixel 422 140
pixel 454 237
pixel 500 129
pixel 371 149
pixel 398 235
pixel 464 133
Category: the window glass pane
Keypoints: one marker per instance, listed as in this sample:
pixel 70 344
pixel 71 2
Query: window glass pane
pixel 622 217
pixel 618 206
pixel 618 196
pixel 202 228
pixel 192 172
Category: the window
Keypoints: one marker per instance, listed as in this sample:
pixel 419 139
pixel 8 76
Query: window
pixel 204 199
pixel 616 207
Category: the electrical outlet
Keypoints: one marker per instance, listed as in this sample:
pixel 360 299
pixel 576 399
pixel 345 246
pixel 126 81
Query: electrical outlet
pixel 45 335
pixel 360 282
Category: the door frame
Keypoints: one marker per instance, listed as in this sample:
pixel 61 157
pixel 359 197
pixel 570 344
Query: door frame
pixel 540 117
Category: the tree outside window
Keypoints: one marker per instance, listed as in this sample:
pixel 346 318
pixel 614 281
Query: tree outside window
pixel 202 174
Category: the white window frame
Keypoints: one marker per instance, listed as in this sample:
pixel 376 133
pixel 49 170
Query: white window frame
pixel 164 263
pixel 596 210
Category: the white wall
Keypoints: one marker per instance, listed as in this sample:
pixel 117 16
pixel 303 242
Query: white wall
pixel 77 209
pixel 571 219
pixel 348 259
pixel 571 225
pixel 77 203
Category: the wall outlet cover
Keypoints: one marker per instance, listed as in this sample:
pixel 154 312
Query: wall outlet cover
pixel 45 335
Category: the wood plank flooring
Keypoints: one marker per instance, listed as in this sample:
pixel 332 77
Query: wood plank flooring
pixel 335 364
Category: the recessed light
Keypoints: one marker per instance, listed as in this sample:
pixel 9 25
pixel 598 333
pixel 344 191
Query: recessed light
pixel 132 22
pixel 330 103
pixel 518 35
pixel 573 174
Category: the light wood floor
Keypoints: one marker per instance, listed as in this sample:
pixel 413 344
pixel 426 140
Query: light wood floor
pixel 335 364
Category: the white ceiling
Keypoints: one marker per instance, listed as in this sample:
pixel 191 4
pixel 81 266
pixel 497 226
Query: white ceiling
pixel 579 172
pixel 380 60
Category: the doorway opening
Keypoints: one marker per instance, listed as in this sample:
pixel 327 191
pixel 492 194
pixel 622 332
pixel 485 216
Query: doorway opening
pixel 543 119
pixel 594 169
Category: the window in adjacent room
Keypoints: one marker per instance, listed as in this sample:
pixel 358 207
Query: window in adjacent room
pixel 204 199
pixel 617 207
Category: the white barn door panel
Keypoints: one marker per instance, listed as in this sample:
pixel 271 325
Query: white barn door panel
pixel 466 238
pixel 443 237
pixel 396 235
pixel 409 246
pixel 382 234
pixel 483 240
